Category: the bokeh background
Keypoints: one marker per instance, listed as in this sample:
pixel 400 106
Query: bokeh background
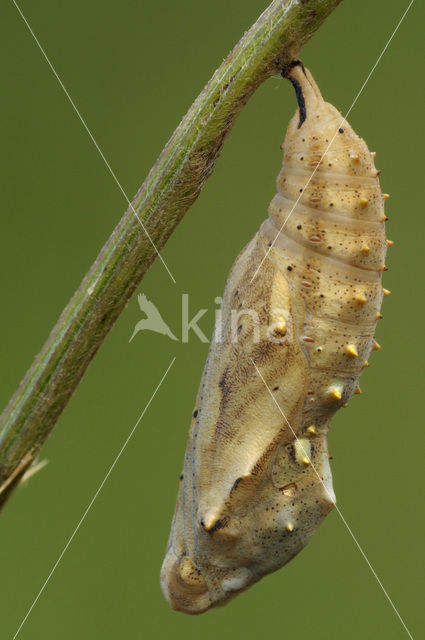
pixel 133 69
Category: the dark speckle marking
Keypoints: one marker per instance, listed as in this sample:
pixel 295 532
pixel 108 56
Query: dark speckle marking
pixel 195 413
pixel 222 382
pixel 181 477
pixel 341 130
pixel 235 484
pixel 289 268
pixel 275 388
pixel 218 525
pixel 299 226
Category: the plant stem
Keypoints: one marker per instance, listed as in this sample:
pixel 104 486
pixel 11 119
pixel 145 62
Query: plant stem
pixel 167 193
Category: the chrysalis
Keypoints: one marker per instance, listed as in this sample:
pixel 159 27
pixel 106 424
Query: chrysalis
pixel 256 481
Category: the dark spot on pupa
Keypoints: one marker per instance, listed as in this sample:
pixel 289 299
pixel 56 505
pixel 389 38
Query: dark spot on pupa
pixel 218 525
pixel 341 130
pixel 299 226
pixel 223 379
pixel 235 484
pixel 289 268
pixel 275 388
pixel 181 477
pixel 195 413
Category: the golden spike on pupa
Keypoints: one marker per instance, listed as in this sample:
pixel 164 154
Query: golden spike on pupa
pixel 335 393
pixel 352 351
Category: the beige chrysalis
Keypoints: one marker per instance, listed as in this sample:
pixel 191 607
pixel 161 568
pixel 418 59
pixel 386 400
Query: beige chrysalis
pixel 256 481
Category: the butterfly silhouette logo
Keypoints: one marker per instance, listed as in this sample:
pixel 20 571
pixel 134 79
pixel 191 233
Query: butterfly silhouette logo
pixel 153 320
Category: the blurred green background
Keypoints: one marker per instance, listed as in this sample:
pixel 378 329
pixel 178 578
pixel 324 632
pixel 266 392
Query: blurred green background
pixel 133 69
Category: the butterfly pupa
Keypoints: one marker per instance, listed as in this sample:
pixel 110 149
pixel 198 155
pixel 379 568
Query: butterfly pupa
pixel 256 481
